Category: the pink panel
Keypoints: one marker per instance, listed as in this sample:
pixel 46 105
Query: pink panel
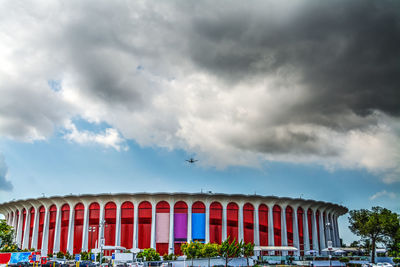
pixel 162 227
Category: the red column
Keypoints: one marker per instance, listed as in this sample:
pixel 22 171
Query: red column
pixel 31 223
pixel 277 225
pixel 94 221
pixel 215 223
pixel 300 214
pixel 127 224
pixel 263 224
pixel 310 236
pixel 52 227
pixel 248 223
pixel 42 211
pixel 232 217
pixel 78 227
pixel 64 227
pixel 144 231
pixel 110 217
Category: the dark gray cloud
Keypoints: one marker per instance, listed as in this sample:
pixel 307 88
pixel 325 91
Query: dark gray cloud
pixel 232 81
pixel 346 52
pixel 5 185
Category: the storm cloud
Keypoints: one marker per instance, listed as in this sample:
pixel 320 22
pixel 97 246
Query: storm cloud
pixel 237 83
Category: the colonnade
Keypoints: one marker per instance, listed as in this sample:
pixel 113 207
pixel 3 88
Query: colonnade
pixel 163 221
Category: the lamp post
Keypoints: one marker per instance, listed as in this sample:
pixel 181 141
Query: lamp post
pixel 102 241
pixel 92 229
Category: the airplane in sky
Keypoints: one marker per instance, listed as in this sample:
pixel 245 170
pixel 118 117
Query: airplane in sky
pixel 191 160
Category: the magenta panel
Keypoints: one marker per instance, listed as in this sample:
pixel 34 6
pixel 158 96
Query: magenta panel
pixel 180 226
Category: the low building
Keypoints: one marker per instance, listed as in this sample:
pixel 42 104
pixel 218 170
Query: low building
pixel 163 221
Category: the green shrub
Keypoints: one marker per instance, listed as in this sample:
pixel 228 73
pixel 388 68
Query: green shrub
pixel 396 260
pixel 344 259
pixel 149 254
pixel 60 255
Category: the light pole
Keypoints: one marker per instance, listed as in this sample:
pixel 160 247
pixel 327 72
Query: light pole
pixel 92 229
pixel 102 241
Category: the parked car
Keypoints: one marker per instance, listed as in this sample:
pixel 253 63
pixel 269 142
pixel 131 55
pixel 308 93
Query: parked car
pixel 87 264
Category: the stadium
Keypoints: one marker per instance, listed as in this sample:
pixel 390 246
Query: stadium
pixel 163 221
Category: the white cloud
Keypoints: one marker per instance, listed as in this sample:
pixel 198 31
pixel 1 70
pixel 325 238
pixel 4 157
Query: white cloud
pixel 109 138
pixel 166 77
pixel 383 193
pixel 5 184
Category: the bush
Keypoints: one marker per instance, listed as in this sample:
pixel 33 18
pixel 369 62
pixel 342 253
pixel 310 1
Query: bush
pixel 169 257
pixel 396 260
pixel 60 255
pixel 149 254
pixel 344 260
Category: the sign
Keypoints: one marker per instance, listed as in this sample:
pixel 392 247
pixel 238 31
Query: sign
pixel 77 257
pixel 329 245
pixel 92 257
pixel 113 256
pixel 102 242
pixel 33 257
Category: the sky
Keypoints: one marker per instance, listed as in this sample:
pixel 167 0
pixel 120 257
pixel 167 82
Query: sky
pixel 285 98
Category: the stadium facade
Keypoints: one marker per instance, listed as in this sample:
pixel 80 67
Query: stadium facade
pixel 163 221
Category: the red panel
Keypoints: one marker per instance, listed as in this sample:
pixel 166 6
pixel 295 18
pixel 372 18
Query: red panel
pixel 216 223
pixel 317 220
pixel 41 224
pixel 248 223
pixel 177 249
pixel 78 227
pixel 309 218
pixel 64 227
pixel 31 223
pixel 127 224
pixel 277 226
pixel 162 207
pixel 198 207
pixel 180 207
pixel 94 221
pixel 232 217
pixel 289 224
pixel 162 248
pixel 263 224
pixel 110 217
pixel 144 231
pixel 23 225
pixel 52 227
pixel 300 215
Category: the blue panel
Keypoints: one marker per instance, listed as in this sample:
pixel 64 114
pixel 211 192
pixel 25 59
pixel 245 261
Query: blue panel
pixel 198 226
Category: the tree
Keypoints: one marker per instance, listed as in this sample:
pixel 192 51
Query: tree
pixel 230 250
pixel 376 225
pixel 209 250
pixel 248 250
pixel 355 244
pixel 149 254
pixel 6 234
pixel 192 250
